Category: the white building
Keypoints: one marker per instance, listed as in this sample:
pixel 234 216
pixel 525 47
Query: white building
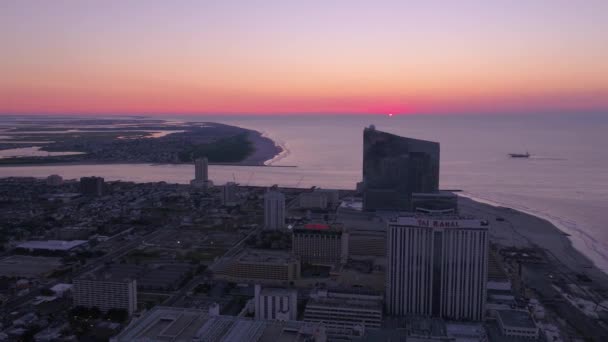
pixel 343 310
pixel 101 290
pixel 276 304
pixel 201 166
pixel 437 266
pixel 274 210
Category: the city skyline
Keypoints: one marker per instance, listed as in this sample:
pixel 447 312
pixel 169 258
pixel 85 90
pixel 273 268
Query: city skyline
pixel 271 57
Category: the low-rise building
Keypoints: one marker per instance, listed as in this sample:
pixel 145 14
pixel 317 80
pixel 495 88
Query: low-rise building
pixel 312 200
pixel 437 202
pixel 272 303
pixel 179 324
pixel 342 310
pixel 517 323
pixel 52 245
pixel 54 180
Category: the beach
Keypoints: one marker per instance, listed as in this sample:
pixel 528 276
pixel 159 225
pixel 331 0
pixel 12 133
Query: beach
pixel 265 149
pixel 522 230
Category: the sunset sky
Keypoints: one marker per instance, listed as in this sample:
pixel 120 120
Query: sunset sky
pixel 146 57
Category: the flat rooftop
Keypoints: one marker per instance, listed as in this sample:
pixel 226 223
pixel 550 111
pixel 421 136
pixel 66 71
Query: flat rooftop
pixel 516 318
pixel 277 291
pixel 443 221
pixel 265 256
pixel 181 324
pixel 346 303
pixel 52 245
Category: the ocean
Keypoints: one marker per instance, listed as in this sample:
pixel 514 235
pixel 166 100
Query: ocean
pixel 565 180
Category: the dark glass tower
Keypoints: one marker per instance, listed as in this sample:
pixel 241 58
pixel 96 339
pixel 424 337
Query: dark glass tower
pixel 394 167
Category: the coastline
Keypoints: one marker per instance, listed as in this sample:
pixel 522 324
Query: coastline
pixel 524 230
pixel 265 151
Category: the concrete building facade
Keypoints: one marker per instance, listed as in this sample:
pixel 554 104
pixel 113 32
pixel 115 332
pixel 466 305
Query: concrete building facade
pixel 260 266
pixel 342 310
pixel 320 244
pixel 102 291
pixel 92 186
pixel 437 266
pixel 274 210
pixel 229 193
pixel 275 303
pixel 517 323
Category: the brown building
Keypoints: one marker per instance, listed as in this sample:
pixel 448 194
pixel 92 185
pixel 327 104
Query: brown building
pixel 320 244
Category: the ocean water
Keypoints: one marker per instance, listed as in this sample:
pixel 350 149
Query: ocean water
pixel 565 180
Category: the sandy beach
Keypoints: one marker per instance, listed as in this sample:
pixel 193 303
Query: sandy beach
pixel 523 230
pixel 264 149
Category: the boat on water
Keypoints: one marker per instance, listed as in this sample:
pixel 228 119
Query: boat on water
pixel 519 155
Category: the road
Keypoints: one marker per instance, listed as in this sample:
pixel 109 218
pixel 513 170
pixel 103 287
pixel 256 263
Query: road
pixel 175 297
pixel 11 305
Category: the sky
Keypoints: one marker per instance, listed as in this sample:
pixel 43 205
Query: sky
pixel 285 57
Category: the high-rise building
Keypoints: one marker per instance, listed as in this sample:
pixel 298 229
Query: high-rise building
pixel 320 244
pixel 394 167
pixel 92 186
pixel 437 266
pixel 273 303
pixel 229 191
pixel 201 166
pixel 274 210
pixel 201 175
pixel 105 291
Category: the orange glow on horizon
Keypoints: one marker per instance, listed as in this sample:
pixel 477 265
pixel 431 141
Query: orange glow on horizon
pixel 285 58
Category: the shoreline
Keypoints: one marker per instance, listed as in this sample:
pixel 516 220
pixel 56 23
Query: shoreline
pixel 525 230
pixel 265 152
pixel 134 163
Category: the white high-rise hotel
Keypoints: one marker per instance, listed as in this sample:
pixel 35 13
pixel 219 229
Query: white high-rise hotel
pixel 437 266
pixel 274 210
